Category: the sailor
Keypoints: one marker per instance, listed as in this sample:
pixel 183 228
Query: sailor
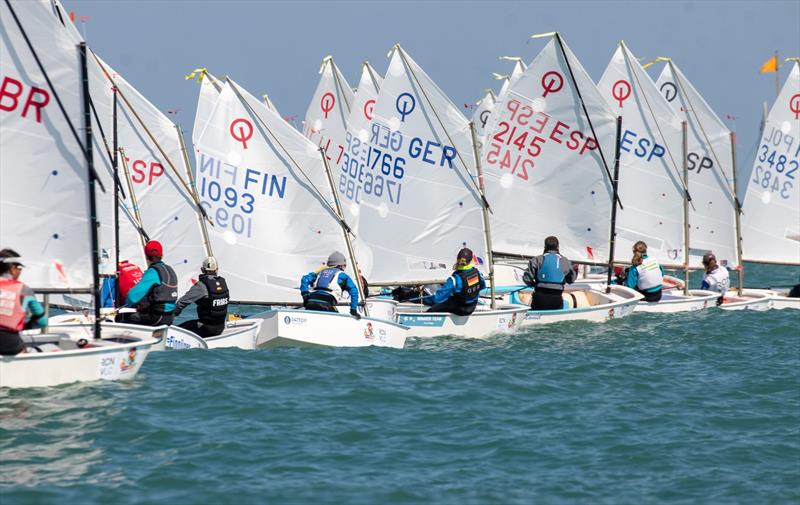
pixel 211 295
pixel 717 278
pixel 16 299
pixel 548 273
pixel 459 294
pixel 155 295
pixel 794 292
pixel 322 289
pixel 129 275
pixel 645 275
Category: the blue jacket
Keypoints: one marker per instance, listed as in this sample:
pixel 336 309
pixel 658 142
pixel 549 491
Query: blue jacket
pixel 345 283
pixel 140 290
pixel 450 288
pixel 632 280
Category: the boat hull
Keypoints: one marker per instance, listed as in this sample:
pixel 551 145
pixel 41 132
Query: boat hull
pixel 307 328
pixel 117 356
pixel 671 303
pixel 746 301
pixel 240 334
pixel 779 299
pixel 480 324
pixel 620 302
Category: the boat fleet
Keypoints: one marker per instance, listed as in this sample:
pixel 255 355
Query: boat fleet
pixel 393 173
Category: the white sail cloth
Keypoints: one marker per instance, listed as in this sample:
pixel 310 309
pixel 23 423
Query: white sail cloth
pixel 264 185
pixel 543 169
pixel 481 116
pixel 712 217
pixel 419 202
pixel 44 176
pixel 771 218
pixel 651 161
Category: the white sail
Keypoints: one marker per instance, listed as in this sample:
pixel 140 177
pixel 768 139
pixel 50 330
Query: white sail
pixel 210 87
pixel 771 217
pixel 326 118
pixel 419 203
pixel 160 180
pixel 270 105
pixel 480 118
pixel 44 180
pixel 712 218
pixel 543 168
pixel 508 80
pixel 272 224
pixel 651 161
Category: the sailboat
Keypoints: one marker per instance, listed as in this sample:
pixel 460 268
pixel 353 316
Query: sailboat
pixel 420 202
pixel 550 147
pixel 770 224
pixel 272 186
pixel 656 196
pixel 46 160
pixel 714 219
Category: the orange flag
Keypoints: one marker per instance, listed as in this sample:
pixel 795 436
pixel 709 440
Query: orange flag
pixel 771 65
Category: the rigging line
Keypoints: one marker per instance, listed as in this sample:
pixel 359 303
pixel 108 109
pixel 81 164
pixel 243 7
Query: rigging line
pixel 430 105
pixel 586 113
pixel 117 182
pixel 92 171
pixel 731 193
pixel 372 75
pixel 338 83
pixel 658 126
pixel 261 122
pixel 193 196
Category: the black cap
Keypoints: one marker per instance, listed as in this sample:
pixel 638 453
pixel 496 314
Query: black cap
pixel 465 254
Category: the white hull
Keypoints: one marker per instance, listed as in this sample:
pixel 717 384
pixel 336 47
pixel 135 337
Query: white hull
pixel 118 355
pixel 675 301
pixel 779 299
pixel 480 324
pixel 621 302
pixel 746 301
pixel 380 308
pixel 240 334
pixel 307 328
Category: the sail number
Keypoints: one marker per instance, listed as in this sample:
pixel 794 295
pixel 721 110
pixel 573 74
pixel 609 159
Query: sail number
pixel 775 172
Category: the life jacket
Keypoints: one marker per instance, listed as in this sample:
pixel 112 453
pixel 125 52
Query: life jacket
pixel 650 276
pixel 163 293
pixel 12 314
pixel 328 283
pixel 718 280
pixel 213 309
pixel 129 275
pixel 470 286
pixel 550 270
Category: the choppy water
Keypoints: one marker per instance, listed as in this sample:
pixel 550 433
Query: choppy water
pixel 692 408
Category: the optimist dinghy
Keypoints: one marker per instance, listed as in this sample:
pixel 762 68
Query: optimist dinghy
pixel 482 323
pixel 307 328
pixel 779 299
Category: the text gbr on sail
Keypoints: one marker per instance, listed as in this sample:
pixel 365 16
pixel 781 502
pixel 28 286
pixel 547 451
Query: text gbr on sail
pixel 12 90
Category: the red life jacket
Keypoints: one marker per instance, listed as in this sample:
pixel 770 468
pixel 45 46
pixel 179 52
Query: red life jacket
pixel 129 275
pixel 12 315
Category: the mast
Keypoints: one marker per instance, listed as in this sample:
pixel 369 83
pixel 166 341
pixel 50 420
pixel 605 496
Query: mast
pixel 777 76
pixel 87 119
pixel 738 211
pixel 345 231
pixel 193 185
pixel 685 135
pixel 485 211
pixel 614 184
pixel 115 164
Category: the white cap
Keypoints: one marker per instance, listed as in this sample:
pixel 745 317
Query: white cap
pixel 210 264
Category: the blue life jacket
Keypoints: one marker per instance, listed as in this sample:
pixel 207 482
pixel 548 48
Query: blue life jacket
pixel 550 272
pixel 326 278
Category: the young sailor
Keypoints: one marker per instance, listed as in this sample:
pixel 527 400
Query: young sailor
pixel 716 278
pixel 155 295
pixel 16 299
pixel 645 276
pixel 211 295
pixel 459 295
pixel 322 289
pixel 548 273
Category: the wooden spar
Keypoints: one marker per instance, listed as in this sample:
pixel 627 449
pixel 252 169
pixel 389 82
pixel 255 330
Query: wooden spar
pixel 738 215
pixel 115 164
pixel 685 135
pixel 190 176
pixel 612 241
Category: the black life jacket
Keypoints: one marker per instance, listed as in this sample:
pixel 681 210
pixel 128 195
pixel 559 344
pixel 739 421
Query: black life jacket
pixel 470 286
pixel 213 309
pixel 163 293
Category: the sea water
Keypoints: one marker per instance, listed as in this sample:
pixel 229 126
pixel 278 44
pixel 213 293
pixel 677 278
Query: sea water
pixel 686 408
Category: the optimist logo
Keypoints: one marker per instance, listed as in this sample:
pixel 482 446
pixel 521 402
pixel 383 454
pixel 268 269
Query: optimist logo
pixel 405 104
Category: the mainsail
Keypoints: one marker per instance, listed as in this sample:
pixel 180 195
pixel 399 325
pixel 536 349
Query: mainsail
pixel 44 180
pixel 651 161
pixel 771 220
pixel 326 118
pixel 712 218
pixel 419 200
pixel 544 170
pixel 263 184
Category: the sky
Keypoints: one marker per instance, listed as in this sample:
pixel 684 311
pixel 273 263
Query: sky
pixel 277 47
